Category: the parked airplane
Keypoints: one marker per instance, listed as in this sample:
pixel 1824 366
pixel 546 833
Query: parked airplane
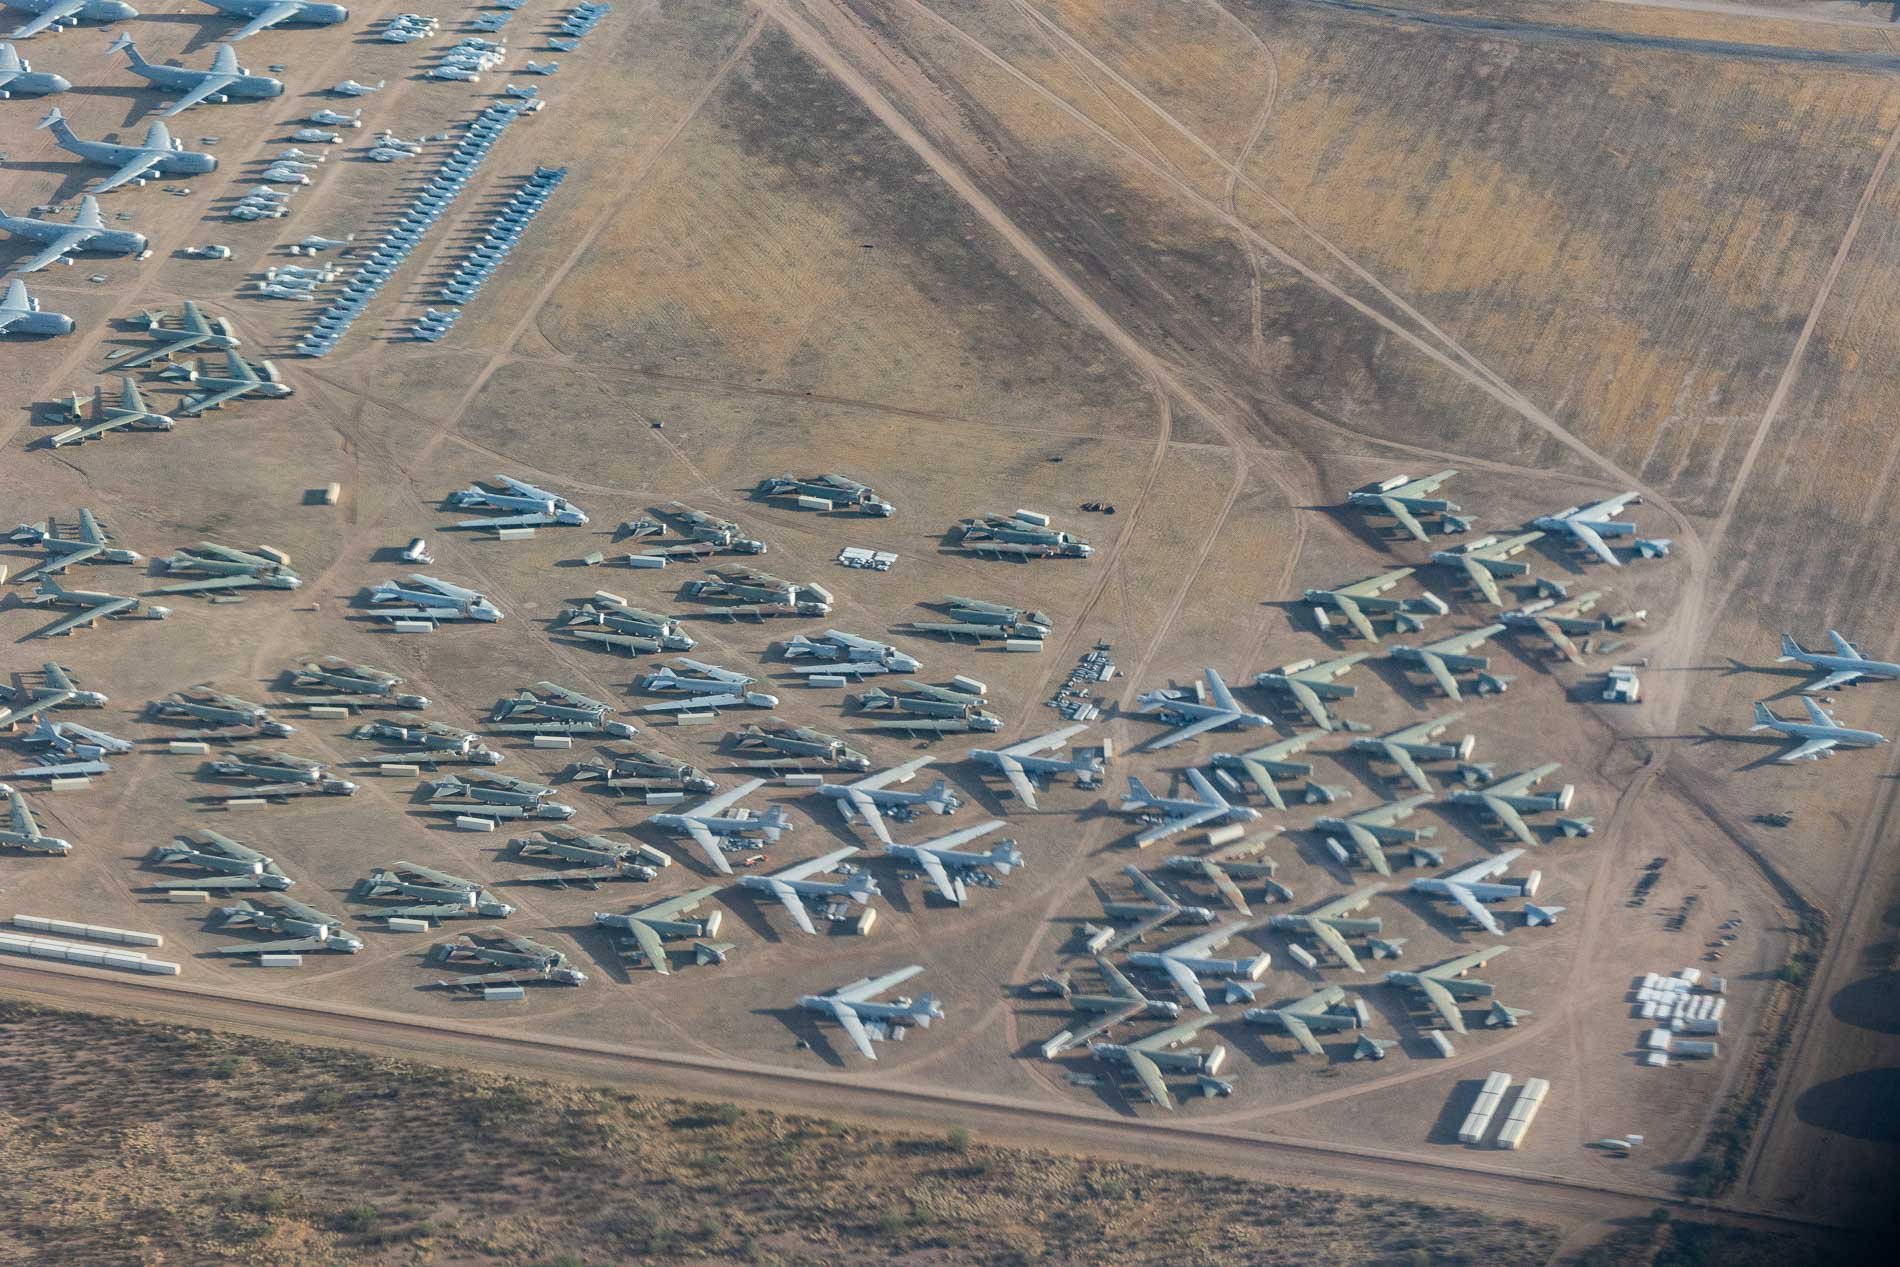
pixel 1447 657
pixel 854 1008
pixel 264 14
pixel 1267 764
pixel 1164 1050
pixel 556 710
pixel 1179 814
pixel 192 332
pixel 130 413
pixel 1503 799
pixel 619 627
pixel 1186 962
pixel 1123 1002
pixel 427 598
pixel 56 691
pixel 1192 718
pixel 1557 620
pixel 840 654
pixel 1845 666
pixel 224 81
pixel 240 378
pixel 1011 537
pixel 224 568
pixel 91 544
pixel 839 492
pixel 1312 683
pixel 222 864
pixel 18 76
pixel 1323 1011
pixel 1484 561
pixel 497 948
pixel 708 824
pixel 20 313
pixel 641 936
pixel 1405 499
pixel 1443 985
pixel 375 686
pixel 526 505
pixel 304 928
pixel 801 743
pixel 436 895
pixel 1406 747
pixel 1143 917
pixel 87 232
pixel 703 686
pixel 1021 765
pixel 75 750
pixel 1224 867
pixel 1474 885
pixel 1362 601
pixel 1330 924
pixel 870 799
pixel 1589 526
pixel 62 13
pixel 432 739
pixel 157 155
pixel 216 709
pixel 1819 735
pixel 791 885
pixel 22 830
pixel 92 605
pixel 1372 829
pixel 952 869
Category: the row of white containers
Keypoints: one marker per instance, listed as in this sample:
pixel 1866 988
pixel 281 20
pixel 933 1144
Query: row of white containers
pixel 74 952
pixel 1516 1122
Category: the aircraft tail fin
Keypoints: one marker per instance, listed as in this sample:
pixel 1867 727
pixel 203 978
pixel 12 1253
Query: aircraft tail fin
pixel 925 1010
pixel 1790 650
pixel 775 820
pixel 1764 720
pixel 1137 791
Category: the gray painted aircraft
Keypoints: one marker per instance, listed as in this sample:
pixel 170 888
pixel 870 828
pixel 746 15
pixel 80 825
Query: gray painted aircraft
pixel 1157 909
pixel 216 709
pixel 63 13
pixel 87 232
pixel 1406 747
pixel 22 830
pixel 428 598
pixel 977 611
pixel 1844 666
pixel 708 534
pixel 493 789
pixel 1448 657
pixel 438 894
pixel 641 935
pixel 842 654
pixel 1474 885
pixel 526 505
pixel 1362 601
pixel 1267 764
pixel 18 76
pixel 1371 830
pixel 157 155
pixel 1482 563
pixel 1508 799
pixel 1010 537
pixel 641 770
pixel 703 686
pixel 224 568
pixel 240 378
pixel 1311 683
pixel 760 589
pixel 840 491
pixel 1819 735
pixel 56 690
pixel 1592 527
pixel 801 743
pixel 1443 985
pixel 264 14
pixel 1224 867
pixel 556 710
pixel 193 331
pixel 1179 814
pixel 224 81
pixel 92 543
pixel 1323 1012
pixel 303 928
pixel 1023 767
pixel 75 750
pixel 708 824
pixel 20 313
pixel 1405 500
pixel 222 864
pixel 91 605
pixel 792 885
pixel 1331 923
pixel 1185 963
pixel 855 1009
pixel 1191 718
pixel 496 948
pixel 1557 620
pixel 597 859
pixel 335 675
pixel 1124 1001
pixel 1166 1051
pixel 870 799
pixel 430 737
pixel 952 869
pixel 129 414
pixel 618 627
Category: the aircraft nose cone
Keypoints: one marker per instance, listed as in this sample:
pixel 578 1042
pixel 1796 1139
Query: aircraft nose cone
pixel 123 11
pixel 58 83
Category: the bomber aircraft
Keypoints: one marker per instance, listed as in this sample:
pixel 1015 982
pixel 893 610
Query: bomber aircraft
pixel 1485 561
pixel 793 884
pixel 1593 527
pixel 92 543
pixel 1508 799
pixel 1448 657
pixel 1443 986
pixel 130 414
pixel 304 928
pixel 22 830
pixel 1185 963
pixel 1405 499
pixel 1323 1011
pixel 641 936
pixel 1124 1001
pixel 950 868
pixel 240 378
pixel 1331 923
pixel 91 605
pixel 870 799
pixel 1312 683
pixel 1166 1051
pixel 855 1009
pixel 56 690
pixel 1406 747
pixel 192 332
pixel 1474 885
pixel 1022 765
pixel 1179 814
pixel 709 825
pixel 1371 830
pixel 1192 718
pixel 1226 866
pixel 1362 601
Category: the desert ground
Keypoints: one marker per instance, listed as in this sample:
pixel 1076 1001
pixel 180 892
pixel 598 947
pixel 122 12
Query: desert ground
pixel 1212 264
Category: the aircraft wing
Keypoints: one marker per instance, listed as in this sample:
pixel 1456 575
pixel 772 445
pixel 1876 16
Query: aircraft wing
pixel 1309 699
pixel 45 18
pixel 1301 1032
pixel 1223 698
pixel 1833 681
pixel 1019 781
pixel 1043 743
pixel 1512 820
pixel 209 400
pixel 263 21
pixel 1474 908
pixel 1369 848
pixel 1480 577
pixel 789 896
pixel 293 946
pixel 215 82
pixel 1175 826
pixel 708 845
pixel 1224 883
pixel 86 616
pixel 1186 982
pixel 1150 1075
pixel 727 799
pixel 1355 616
pixel 71 240
pixel 866 807
pixel 1104 1022
pixel 1211 940
pixel 20 817
pixel 1192 730
pixel 213 583
pixel 1263 779
pixel 59 562
pixel 1442 1002
pixel 679 902
pixel 1465 963
pixel 1333 940
pixel 871 987
pixel 1395 508
pixel 648 940
pixel 1441 674
pixel 1808 750
pixel 1403 760
pixel 932 866
pixel 848 1018
pixel 1551 630
pixel 814 866
pixel 1597 545
pixel 896 774
pixel 134 168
